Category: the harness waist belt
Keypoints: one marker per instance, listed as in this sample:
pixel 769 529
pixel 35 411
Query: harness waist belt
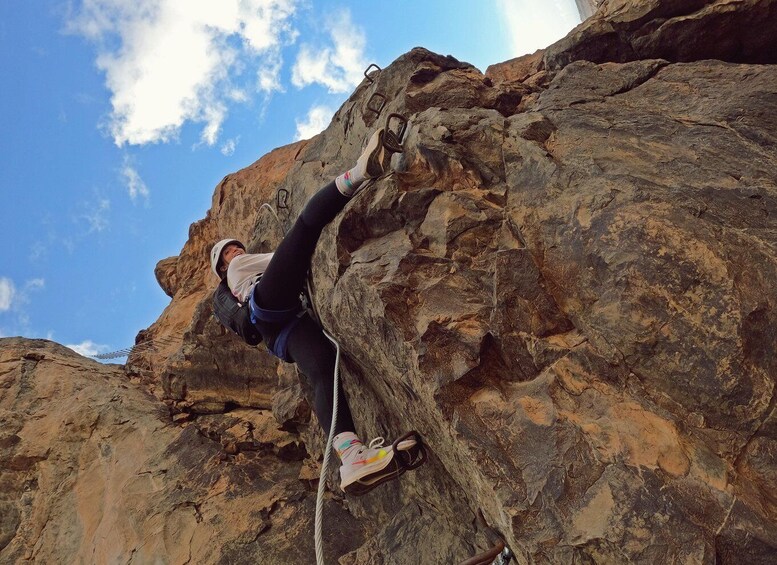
pixel 287 318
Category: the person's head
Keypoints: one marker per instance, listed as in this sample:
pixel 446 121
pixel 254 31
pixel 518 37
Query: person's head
pixel 222 253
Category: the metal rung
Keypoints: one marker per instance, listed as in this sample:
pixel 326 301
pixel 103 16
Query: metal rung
pixel 281 199
pixel 380 104
pixel 367 70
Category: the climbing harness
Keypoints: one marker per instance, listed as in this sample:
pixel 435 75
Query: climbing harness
pixel 288 319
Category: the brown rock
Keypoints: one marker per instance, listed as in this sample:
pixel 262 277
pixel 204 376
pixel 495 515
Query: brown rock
pixel 567 285
pixel 587 8
pixel 516 272
pixel 678 31
pixel 106 477
pixel 166 274
pixel 516 70
pixel 182 417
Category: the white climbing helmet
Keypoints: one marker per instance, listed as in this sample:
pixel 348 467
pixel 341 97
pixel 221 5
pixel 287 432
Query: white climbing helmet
pixel 215 253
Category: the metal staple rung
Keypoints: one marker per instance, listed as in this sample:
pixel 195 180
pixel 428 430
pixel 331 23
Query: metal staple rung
pixel 393 139
pixel 367 71
pixel 281 199
pixel 381 102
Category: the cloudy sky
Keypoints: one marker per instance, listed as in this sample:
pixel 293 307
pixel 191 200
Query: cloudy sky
pixel 119 118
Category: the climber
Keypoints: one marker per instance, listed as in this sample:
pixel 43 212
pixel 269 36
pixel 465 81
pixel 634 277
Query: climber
pixel 259 298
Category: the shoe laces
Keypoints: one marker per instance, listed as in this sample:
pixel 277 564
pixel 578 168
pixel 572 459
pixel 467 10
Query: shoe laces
pixel 377 443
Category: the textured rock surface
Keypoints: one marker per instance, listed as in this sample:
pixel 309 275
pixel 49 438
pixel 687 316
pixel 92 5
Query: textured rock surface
pixel 567 285
pixel 576 305
pixel 93 470
pixel 677 30
pixel 182 351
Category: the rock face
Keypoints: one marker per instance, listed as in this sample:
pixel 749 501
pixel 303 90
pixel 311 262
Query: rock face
pixel 567 285
pixel 187 346
pixel 739 31
pixel 93 470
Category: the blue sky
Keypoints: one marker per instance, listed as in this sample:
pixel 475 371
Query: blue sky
pixel 119 118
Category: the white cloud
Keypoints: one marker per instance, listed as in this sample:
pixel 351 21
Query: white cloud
pixel 7 293
pixel 135 185
pixel 35 284
pixel 237 95
pixel 340 67
pixel 88 348
pixel 95 215
pixel 37 250
pixel 536 24
pixel 12 298
pixel 229 146
pixel 167 62
pixel 268 76
pixel 317 119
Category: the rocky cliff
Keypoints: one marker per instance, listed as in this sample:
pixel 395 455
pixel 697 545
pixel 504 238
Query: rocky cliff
pixel 567 285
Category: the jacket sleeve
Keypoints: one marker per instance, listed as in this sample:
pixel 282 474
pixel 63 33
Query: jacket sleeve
pixel 234 315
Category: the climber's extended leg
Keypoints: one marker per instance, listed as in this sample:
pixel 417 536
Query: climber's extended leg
pixel 282 282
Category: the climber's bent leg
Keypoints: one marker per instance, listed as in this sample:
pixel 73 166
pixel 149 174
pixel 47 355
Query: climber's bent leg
pixel 285 276
pixel 309 348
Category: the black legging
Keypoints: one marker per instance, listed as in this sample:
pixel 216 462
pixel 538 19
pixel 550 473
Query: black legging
pixel 279 289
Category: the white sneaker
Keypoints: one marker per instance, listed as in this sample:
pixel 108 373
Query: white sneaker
pixel 362 461
pixel 372 162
